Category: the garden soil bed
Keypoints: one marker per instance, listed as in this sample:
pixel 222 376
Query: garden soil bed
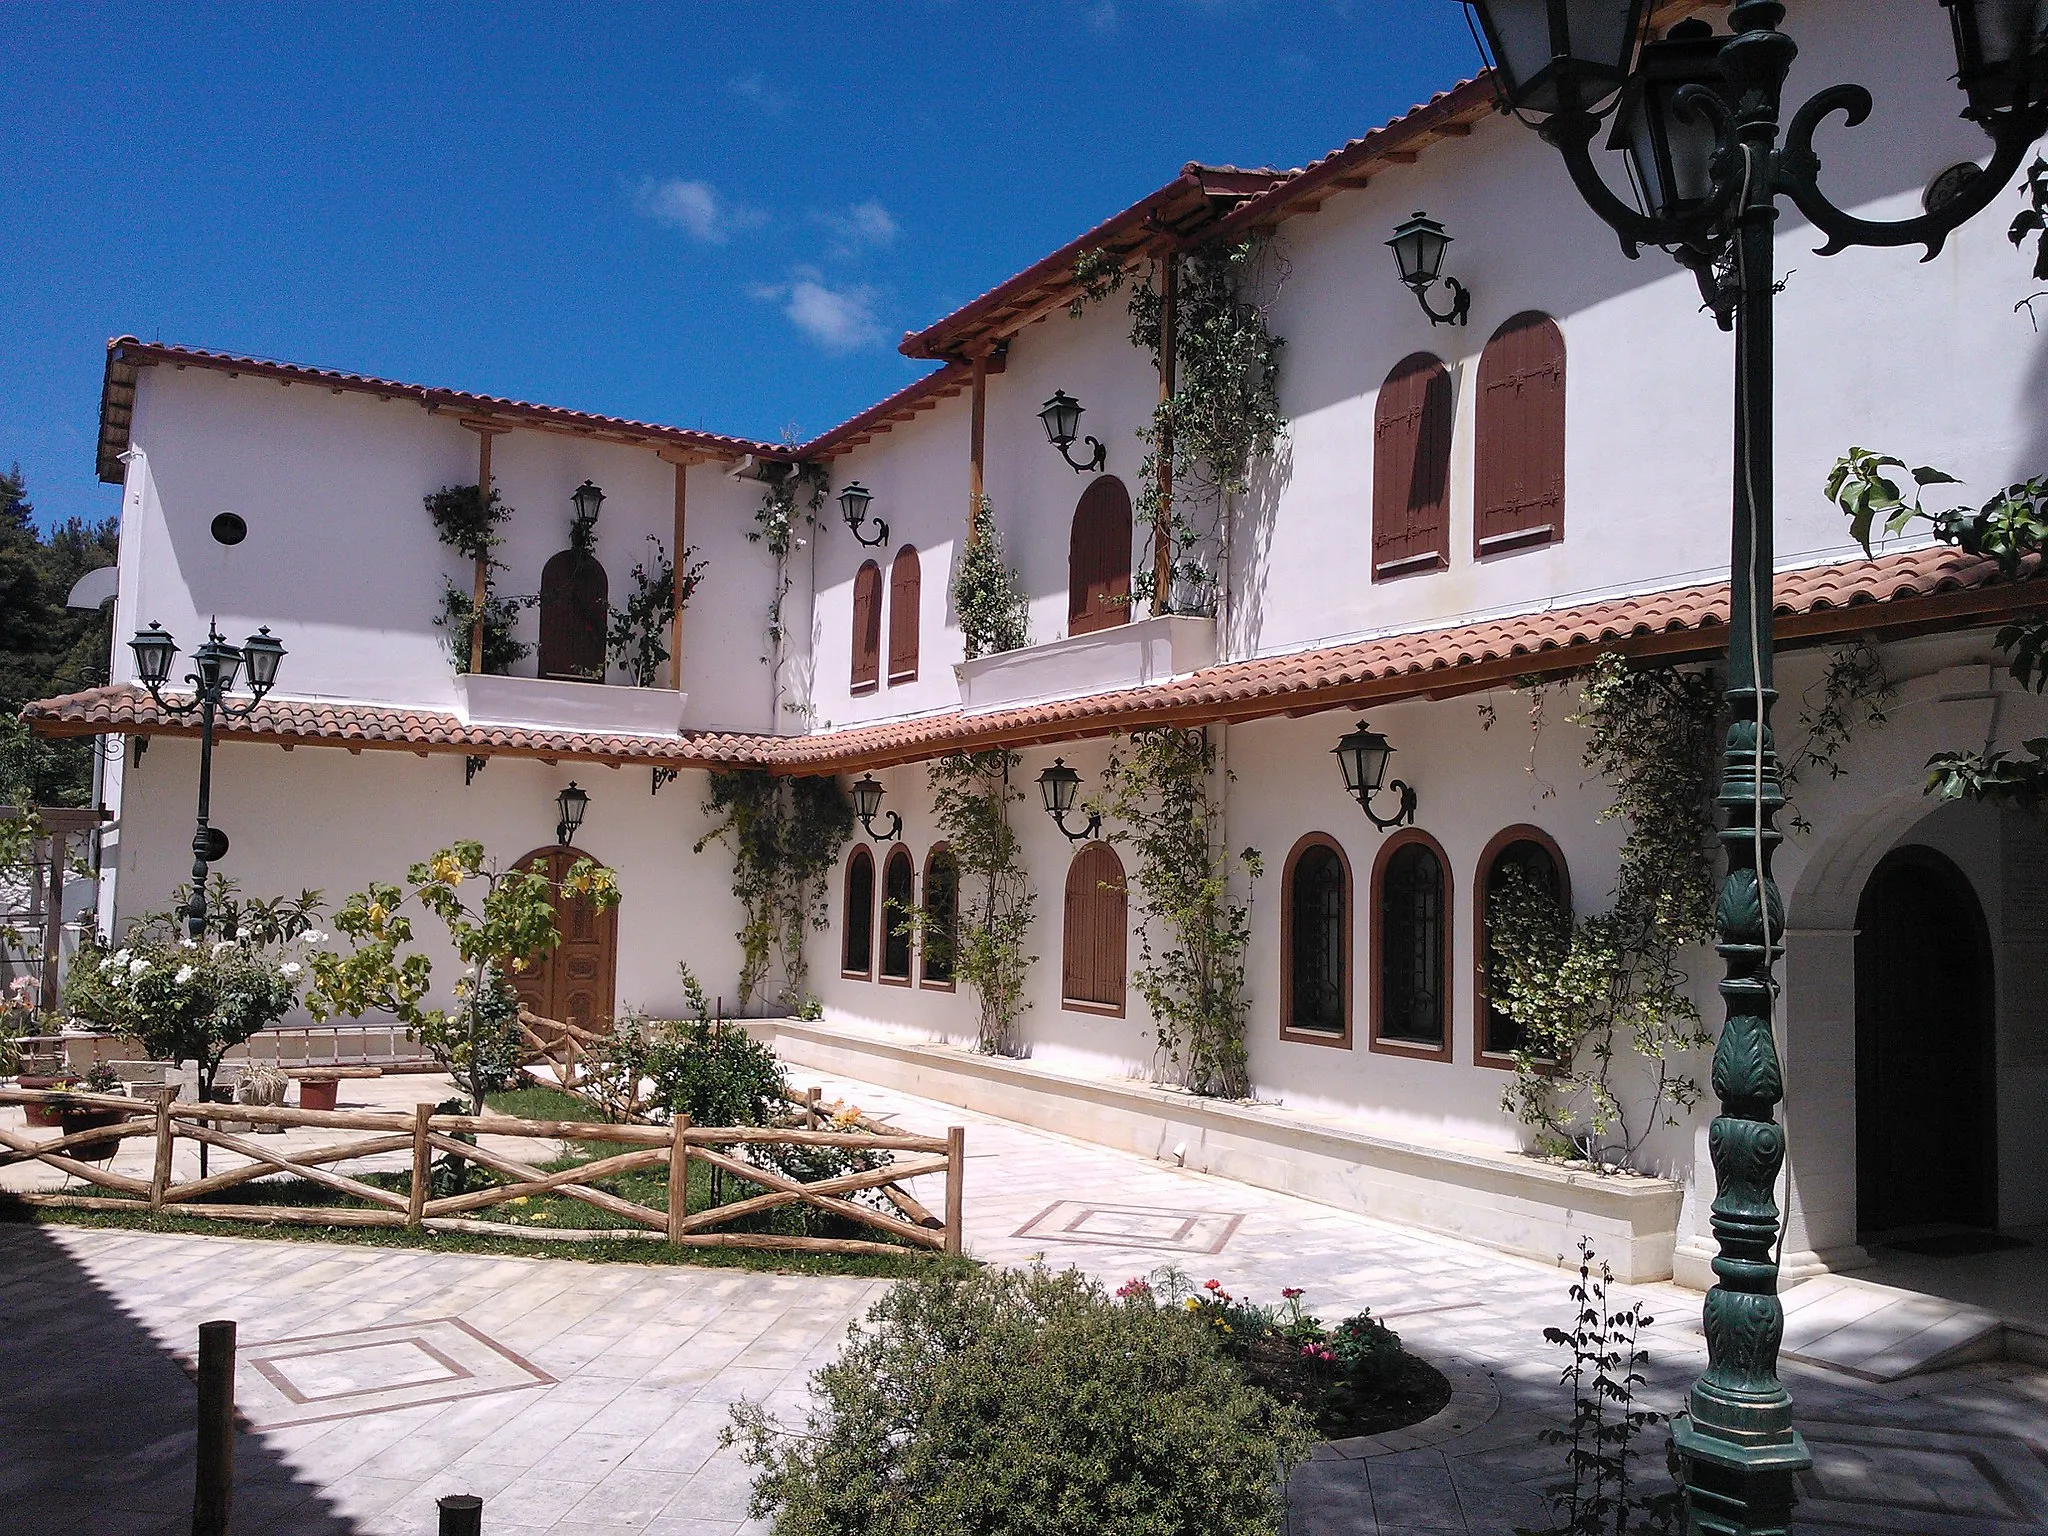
pixel 1412 1391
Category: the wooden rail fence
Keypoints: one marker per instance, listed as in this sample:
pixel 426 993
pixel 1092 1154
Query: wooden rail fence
pixel 424 1133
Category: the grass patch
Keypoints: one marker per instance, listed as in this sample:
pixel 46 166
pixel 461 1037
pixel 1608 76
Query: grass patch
pixel 537 1101
pixel 597 1250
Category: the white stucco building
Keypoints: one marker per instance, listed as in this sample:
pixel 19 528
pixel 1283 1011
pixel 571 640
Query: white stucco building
pixel 1335 601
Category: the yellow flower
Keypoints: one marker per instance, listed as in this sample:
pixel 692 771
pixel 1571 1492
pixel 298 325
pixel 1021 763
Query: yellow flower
pixel 1191 1304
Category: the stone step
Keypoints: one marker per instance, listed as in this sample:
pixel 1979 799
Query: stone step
pixel 1881 1333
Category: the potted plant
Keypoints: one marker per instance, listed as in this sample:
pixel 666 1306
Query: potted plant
pixel 75 1117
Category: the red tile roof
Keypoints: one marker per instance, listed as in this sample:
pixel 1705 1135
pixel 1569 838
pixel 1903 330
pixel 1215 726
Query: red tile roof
pixel 126 357
pixel 1928 589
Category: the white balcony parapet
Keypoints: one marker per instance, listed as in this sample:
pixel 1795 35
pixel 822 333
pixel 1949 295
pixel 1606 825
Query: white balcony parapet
pixel 598 708
pixel 1129 656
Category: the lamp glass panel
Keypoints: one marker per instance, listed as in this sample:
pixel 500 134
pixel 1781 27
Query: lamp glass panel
pixel 853 504
pixel 588 498
pixel 264 652
pixel 154 651
pixel 867 798
pixel 1419 246
pixel 1603 34
pixel 571 804
pixel 2009 30
pixel 1058 785
pixel 1520 33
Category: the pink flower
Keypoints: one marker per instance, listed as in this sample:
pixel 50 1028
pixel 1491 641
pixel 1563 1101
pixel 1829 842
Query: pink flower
pixel 1212 1285
pixel 1292 1292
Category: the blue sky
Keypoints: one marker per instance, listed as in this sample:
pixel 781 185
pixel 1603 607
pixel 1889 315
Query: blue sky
pixel 720 216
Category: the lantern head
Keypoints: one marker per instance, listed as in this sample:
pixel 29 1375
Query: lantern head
pixel 154 650
pixel 1560 55
pixel 570 805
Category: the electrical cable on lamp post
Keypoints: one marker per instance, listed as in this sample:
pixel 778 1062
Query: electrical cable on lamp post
pixel 215 667
pixel 1698 115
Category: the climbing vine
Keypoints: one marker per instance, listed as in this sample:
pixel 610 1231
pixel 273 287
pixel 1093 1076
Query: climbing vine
pixel 467 522
pixel 785 835
pixel 638 633
pixel 1194 932
pixel 987 596
pixel 971 800
pixel 1224 413
pixel 1592 993
pixel 1851 693
pixel 790 500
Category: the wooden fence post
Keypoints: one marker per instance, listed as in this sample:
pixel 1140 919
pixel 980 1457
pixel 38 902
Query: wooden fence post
pixel 166 1139
pixel 956 1164
pixel 422 1165
pixel 811 1096
pixel 461 1514
pixel 678 1176
pixel 214 1481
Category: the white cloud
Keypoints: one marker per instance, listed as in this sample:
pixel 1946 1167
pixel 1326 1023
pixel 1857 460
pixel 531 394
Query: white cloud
pixel 756 89
pixel 863 227
pixel 837 319
pixel 695 207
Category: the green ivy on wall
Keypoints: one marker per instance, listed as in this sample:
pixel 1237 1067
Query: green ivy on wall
pixel 789 504
pixel 785 835
pixel 971 800
pixel 1159 795
pixel 1593 994
pixel 467 522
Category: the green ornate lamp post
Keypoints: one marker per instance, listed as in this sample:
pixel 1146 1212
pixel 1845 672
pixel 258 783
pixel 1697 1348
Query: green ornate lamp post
pixel 216 664
pixel 1698 116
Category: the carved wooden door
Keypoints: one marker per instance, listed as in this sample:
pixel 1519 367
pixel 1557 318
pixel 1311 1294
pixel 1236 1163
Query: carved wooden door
pixel 575 982
pixel 574 599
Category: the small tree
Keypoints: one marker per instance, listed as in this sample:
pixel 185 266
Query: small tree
pixel 994 613
pixel 498 927
pixel 638 633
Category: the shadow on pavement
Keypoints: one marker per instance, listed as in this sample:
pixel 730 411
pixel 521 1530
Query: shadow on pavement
pixel 97 1416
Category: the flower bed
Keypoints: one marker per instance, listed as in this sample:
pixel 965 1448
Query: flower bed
pixel 1350 1379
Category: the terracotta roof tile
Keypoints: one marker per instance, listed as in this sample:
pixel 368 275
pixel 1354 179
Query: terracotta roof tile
pixel 1924 589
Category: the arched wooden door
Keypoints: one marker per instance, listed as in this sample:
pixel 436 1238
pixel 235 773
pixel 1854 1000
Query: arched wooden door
pixel 1099 559
pixel 1926 1084
pixel 574 605
pixel 574 983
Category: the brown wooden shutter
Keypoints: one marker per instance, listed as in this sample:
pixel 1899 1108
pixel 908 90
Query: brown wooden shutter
pixel 867 627
pixel 1411 469
pixel 1096 935
pixel 904 582
pixel 1518 491
pixel 1099 559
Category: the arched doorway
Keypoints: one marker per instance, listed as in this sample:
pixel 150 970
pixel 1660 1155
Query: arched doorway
pixel 1926 1066
pixel 573 982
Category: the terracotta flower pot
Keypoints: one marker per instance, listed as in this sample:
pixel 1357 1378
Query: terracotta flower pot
pixel 318 1093
pixel 45 1116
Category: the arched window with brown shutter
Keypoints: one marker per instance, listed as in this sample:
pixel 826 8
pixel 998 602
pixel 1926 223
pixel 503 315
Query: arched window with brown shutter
pixel 1096 938
pixel 857 936
pixel 1099 559
pixel 867 627
pixel 899 892
pixel 1518 487
pixel 904 581
pixel 1411 469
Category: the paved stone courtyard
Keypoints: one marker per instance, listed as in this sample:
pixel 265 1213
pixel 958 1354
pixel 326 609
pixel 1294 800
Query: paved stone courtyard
pixel 581 1398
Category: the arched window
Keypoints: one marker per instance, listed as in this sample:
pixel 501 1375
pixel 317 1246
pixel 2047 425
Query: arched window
pixel 941 916
pixel 1099 559
pixel 1097 932
pixel 1411 469
pixel 867 627
pixel 1518 484
pixel 574 609
pixel 904 581
pixel 1530 852
pixel 857 940
pixel 899 882
pixel 1411 907
pixel 1315 942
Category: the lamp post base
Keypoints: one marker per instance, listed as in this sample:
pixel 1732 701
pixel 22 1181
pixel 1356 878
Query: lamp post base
pixel 1738 1490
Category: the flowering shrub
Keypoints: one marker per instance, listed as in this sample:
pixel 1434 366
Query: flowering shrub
pixel 186 999
pixel 1002 1402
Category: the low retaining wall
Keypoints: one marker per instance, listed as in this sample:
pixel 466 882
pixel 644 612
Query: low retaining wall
pixel 1497 1199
